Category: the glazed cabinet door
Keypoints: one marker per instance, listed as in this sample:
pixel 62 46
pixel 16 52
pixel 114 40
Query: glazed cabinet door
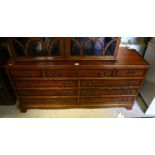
pixel 92 47
pixel 37 47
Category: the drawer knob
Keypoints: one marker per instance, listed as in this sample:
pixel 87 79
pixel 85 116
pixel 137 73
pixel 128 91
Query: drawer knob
pixel 76 64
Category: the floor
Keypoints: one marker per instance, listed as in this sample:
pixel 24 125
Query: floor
pixel 137 111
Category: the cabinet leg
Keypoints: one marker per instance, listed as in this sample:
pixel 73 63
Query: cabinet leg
pixel 23 110
pixel 129 107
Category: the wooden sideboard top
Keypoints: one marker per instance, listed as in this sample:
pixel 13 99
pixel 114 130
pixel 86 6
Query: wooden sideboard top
pixel 130 57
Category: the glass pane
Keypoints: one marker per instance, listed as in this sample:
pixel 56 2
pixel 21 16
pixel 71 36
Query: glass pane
pixel 54 46
pixel 110 46
pixel 74 49
pixel 92 46
pixel 36 46
pixel 18 46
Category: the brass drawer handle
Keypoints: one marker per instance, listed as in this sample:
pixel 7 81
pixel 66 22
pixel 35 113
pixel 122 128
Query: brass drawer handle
pixel 56 74
pixel 87 83
pixel 68 83
pixel 131 71
pixel 21 83
pixel 28 73
pixel 133 83
pixel 85 93
pixel 101 74
pixel 130 83
pixel 87 100
pixel 68 93
pixel 129 91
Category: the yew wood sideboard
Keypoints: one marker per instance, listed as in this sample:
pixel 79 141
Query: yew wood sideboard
pixel 76 81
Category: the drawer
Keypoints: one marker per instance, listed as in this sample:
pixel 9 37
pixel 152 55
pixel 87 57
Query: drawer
pixel 98 92
pixel 96 73
pixel 45 83
pixel 25 73
pixel 87 100
pixel 61 73
pixel 47 92
pixel 112 83
pixel 130 72
pixel 44 101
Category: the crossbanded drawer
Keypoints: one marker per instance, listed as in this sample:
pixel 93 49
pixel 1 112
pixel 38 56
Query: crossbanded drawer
pixel 25 73
pixel 47 92
pixel 61 73
pixel 96 73
pixel 130 73
pixel 45 83
pixel 43 101
pixel 98 92
pixel 108 82
pixel 87 100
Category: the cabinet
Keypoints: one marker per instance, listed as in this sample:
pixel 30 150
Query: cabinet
pixel 7 96
pixel 84 75
pixel 69 47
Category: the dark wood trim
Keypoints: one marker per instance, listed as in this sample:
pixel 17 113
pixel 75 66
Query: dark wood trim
pixel 44 97
pixel 24 107
pixel 117 47
pixel 82 78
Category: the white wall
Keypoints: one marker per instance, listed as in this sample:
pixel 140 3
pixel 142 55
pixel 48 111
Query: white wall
pixel 137 43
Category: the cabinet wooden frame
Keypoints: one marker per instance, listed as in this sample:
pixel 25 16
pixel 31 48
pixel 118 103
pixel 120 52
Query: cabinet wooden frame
pixel 103 57
pixel 64 51
pixel 35 39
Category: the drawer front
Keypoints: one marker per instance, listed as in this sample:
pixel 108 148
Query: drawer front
pixel 47 92
pixel 25 73
pixel 61 73
pixel 88 100
pixel 130 73
pixel 49 101
pixel 112 83
pixel 97 92
pixel 45 83
pixel 96 73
